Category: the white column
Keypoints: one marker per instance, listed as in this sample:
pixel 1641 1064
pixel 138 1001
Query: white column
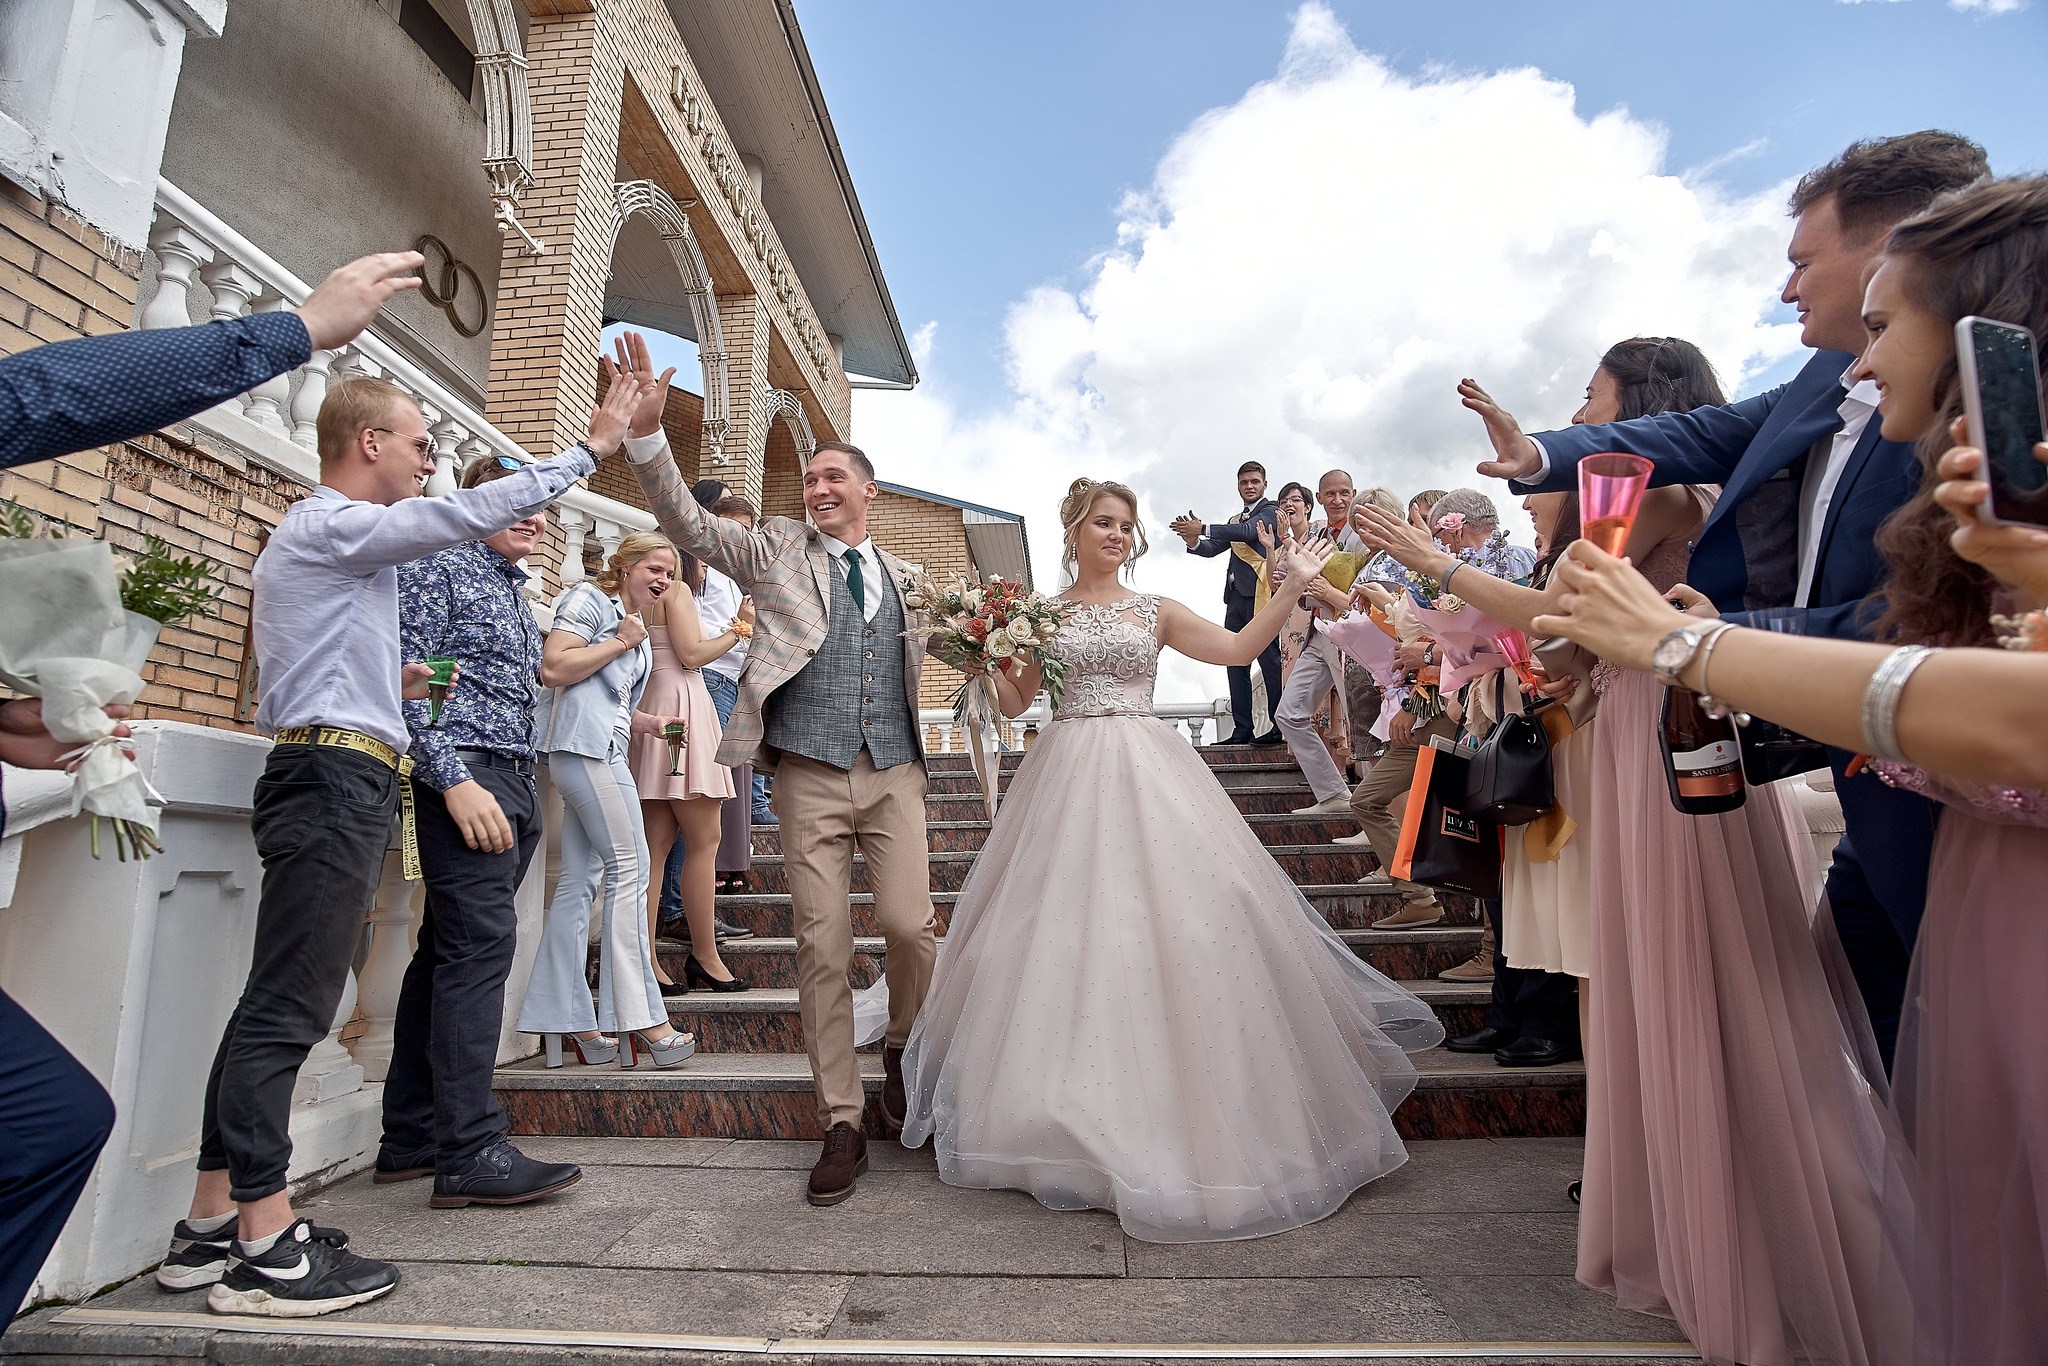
pixel 265 404
pixel 573 523
pixel 447 436
pixel 180 252
pixel 314 378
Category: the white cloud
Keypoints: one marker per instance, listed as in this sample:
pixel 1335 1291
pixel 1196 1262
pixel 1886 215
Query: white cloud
pixel 1307 276
pixel 1989 6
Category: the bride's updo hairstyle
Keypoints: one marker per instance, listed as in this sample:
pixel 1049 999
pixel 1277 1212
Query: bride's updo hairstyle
pixel 1082 496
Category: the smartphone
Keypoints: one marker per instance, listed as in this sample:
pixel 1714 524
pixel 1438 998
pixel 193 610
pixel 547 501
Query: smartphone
pixel 2001 375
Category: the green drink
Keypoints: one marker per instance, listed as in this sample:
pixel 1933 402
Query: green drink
pixel 438 683
pixel 675 732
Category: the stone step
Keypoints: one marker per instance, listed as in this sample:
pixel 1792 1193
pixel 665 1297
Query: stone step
pixel 968 834
pixel 1251 801
pixel 770 961
pixel 1216 756
pixel 1305 864
pixel 765 1019
pixel 769 1095
pixel 1348 905
pixel 1262 772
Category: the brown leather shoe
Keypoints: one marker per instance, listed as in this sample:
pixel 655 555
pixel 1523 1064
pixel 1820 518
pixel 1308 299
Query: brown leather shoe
pixel 895 1105
pixel 840 1166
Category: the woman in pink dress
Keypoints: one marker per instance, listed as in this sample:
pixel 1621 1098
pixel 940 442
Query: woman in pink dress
pixel 683 798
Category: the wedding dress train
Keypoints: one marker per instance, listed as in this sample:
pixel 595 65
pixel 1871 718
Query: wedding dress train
pixel 1135 1009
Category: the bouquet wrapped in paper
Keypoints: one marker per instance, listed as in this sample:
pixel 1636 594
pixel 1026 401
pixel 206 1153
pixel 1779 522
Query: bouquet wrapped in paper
pixel 76 627
pixel 978 628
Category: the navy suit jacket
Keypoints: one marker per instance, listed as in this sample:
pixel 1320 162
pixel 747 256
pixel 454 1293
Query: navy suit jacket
pixel 1746 556
pixel 1242 580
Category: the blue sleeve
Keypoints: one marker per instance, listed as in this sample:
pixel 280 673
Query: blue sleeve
pixel 1207 548
pixel 1700 447
pixel 581 612
pixel 1843 621
pixel 426 600
pixel 1245 532
pixel 75 395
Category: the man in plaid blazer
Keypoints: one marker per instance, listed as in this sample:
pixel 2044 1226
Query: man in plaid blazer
pixel 828 696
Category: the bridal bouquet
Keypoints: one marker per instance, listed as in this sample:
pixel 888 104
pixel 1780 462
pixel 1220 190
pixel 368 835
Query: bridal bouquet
pixel 77 623
pixel 978 628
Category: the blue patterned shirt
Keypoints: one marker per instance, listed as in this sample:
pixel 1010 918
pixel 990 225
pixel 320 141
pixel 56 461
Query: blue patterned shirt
pixel 465 603
pixel 75 395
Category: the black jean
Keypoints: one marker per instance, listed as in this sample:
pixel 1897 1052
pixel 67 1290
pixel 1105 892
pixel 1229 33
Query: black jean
pixel 1538 1005
pixel 1237 614
pixel 322 822
pixel 437 1095
pixel 54 1119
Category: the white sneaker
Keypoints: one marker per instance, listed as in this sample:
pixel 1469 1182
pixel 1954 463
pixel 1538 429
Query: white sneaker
pixel 1330 806
pixel 1358 838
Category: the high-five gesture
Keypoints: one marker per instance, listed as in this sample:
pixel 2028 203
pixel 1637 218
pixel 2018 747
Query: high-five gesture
pixel 1396 536
pixel 609 420
pixel 1516 456
pixel 1304 561
pixel 634 359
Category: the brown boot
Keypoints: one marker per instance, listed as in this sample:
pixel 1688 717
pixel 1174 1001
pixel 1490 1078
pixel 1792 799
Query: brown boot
pixel 840 1166
pixel 895 1105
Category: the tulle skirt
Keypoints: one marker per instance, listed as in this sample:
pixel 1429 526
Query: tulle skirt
pixel 1136 1010
pixel 1972 1099
pixel 1734 1148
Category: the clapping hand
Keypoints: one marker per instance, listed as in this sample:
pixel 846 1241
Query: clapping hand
pixel 2016 555
pixel 1516 456
pixel 1188 527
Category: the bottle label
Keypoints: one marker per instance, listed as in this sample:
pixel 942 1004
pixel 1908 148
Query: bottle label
pixel 1713 770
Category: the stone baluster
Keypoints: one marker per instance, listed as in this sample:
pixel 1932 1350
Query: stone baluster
pixel 469 448
pixel 609 534
pixel 390 925
pixel 314 378
pixel 265 404
pixel 329 1071
pixel 180 252
pixel 447 437
pixel 234 287
pixel 1194 728
pixel 574 521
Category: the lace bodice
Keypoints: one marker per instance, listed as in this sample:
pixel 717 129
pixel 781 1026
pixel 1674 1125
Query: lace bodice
pixel 1112 657
pixel 1987 801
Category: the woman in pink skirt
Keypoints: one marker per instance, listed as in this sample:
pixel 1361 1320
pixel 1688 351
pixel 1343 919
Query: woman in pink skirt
pixel 683 798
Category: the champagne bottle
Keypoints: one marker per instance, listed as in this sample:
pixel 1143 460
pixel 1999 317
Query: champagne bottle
pixel 1702 758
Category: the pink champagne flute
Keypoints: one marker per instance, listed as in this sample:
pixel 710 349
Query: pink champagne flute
pixel 1610 490
pixel 1514 647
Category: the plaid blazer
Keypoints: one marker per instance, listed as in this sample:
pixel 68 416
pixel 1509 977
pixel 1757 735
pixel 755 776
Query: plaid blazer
pixel 784 565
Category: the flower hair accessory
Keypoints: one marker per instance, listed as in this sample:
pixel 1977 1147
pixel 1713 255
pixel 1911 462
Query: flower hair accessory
pixel 1452 523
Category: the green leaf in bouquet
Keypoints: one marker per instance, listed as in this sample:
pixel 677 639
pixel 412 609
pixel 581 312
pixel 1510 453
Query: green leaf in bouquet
pixel 167 588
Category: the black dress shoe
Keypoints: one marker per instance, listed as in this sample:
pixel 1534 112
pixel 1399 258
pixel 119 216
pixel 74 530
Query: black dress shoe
pixel 1237 737
pixel 1530 1051
pixel 1269 739
pixel 725 931
pixel 403 1166
pixel 1485 1040
pixel 501 1175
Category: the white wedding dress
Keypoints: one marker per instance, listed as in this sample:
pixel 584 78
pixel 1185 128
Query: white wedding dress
pixel 1134 1008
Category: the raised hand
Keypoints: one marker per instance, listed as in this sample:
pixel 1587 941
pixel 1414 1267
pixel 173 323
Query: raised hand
pixel 1516 456
pixel 2015 555
pixel 1267 540
pixel 610 420
pixel 636 360
pixel 1396 536
pixel 1306 561
pixel 341 305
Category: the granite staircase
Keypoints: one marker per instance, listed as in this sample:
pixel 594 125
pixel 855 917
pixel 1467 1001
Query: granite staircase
pixel 750 1078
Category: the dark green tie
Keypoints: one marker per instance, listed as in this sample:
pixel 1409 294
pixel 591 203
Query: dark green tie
pixel 853 582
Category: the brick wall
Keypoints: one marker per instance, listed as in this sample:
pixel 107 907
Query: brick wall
pixel 59 276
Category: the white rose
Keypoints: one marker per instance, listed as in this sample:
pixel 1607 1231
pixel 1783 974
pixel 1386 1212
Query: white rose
pixel 972 599
pixel 1020 631
pixel 1000 646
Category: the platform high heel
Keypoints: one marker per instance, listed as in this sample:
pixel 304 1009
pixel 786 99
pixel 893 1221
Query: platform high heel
pixel 677 1049
pixel 589 1052
pixel 696 976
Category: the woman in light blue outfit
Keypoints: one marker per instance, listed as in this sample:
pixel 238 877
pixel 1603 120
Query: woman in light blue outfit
pixel 595 664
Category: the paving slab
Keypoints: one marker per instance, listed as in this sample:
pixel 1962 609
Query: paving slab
pixel 1357 1241
pixel 1545 1308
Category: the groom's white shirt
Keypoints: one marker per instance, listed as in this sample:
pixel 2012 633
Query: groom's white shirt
pixel 871 572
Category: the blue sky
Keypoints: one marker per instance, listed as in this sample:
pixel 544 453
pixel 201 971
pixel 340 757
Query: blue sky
pixel 991 143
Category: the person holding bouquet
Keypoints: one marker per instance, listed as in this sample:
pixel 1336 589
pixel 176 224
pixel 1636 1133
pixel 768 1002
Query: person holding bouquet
pixel 325 627
pixel 829 696
pixel 1136 1010
pixel 595 664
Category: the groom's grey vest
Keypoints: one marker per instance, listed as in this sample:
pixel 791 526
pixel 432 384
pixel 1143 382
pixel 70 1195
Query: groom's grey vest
pixel 851 693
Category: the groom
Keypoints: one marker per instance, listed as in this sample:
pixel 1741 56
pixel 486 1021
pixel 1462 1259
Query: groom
pixel 828 694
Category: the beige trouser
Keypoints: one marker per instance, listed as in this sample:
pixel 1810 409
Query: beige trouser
pixel 824 812
pixel 1381 796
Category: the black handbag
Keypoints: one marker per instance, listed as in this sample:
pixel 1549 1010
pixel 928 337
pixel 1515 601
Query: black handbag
pixel 1770 752
pixel 1510 780
pixel 1442 844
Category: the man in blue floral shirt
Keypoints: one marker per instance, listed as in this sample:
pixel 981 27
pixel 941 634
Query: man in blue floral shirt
pixel 479 823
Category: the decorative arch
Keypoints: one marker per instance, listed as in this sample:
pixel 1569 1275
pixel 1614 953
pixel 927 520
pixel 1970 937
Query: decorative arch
pixel 508 114
pixel 783 404
pixel 644 196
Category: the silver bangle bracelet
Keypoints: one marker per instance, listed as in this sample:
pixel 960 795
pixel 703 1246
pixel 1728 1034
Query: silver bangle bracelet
pixel 1881 700
pixel 1443 585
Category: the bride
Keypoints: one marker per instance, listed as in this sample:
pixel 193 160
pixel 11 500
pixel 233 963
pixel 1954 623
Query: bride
pixel 1135 1009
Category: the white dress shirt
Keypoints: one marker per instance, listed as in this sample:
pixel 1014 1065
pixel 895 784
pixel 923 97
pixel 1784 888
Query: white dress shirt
pixel 718 606
pixel 874 580
pixel 1817 492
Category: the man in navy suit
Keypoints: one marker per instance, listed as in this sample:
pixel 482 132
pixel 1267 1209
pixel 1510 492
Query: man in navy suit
pixel 1806 480
pixel 1239 538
